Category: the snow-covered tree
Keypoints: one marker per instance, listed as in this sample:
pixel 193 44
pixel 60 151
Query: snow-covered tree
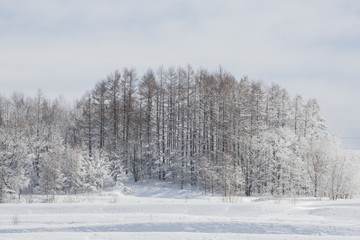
pixel 194 127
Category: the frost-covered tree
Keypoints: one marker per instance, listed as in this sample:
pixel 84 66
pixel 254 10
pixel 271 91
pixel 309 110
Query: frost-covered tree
pixel 196 128
pixel 51 176
pixel 73 169
pixel 97 175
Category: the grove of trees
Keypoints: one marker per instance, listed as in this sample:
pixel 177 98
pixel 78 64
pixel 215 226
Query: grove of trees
pixel 193 127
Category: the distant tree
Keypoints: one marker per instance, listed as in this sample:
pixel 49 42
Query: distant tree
pixel 51 176
pixel 196 128
pixel 114 104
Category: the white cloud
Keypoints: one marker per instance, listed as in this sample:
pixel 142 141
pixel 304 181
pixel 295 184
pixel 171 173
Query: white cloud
pixel 64 47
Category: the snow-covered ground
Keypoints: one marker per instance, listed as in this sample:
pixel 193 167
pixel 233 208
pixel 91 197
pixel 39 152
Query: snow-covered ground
pixel 162 211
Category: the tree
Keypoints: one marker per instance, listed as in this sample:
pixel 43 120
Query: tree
pixel 197 128
pixel 100 107
pixel 51 177
pixel 128 88
pixel 113 96
pixel 147 91
pixel 74 170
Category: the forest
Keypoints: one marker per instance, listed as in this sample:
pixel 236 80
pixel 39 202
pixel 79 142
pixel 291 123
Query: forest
pixel 192 127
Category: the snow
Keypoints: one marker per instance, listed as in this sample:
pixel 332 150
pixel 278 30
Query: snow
pixel 159 211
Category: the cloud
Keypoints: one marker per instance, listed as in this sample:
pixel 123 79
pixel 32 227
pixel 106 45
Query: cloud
pixel 309 47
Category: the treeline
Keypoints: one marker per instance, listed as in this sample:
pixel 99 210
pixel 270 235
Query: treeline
pixel 197 128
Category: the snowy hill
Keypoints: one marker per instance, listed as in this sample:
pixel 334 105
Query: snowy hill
pixel 163 211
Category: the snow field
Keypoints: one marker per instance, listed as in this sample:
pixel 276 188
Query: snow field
pixel 155 211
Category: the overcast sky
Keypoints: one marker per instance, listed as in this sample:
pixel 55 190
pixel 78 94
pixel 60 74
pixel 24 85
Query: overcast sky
pixel 309 47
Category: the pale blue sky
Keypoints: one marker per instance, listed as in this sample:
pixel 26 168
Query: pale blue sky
pixel 310 47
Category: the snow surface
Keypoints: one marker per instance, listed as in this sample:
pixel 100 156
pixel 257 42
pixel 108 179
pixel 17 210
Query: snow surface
pixel 159 211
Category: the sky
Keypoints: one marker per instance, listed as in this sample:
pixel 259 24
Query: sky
pixel 309 47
